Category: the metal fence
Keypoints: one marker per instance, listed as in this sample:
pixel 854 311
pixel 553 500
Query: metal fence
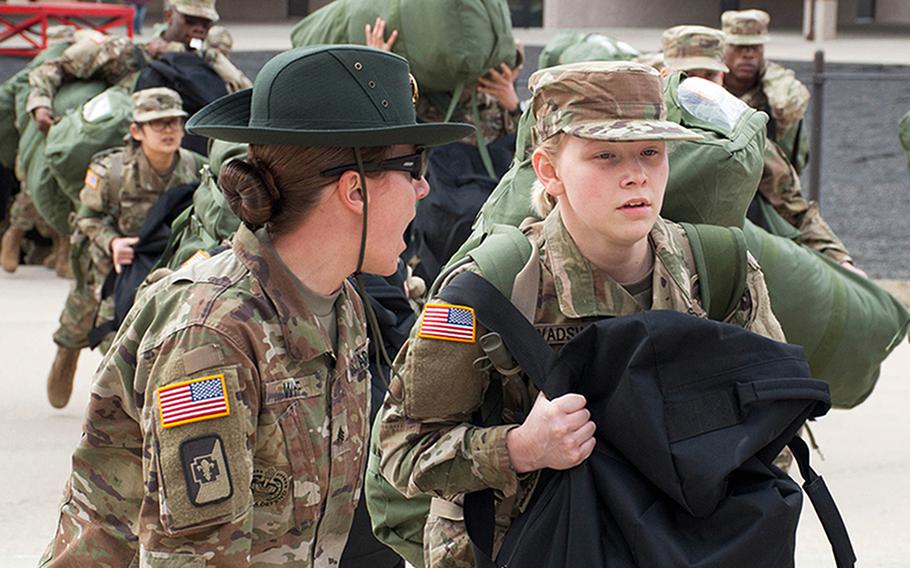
pixel 819 78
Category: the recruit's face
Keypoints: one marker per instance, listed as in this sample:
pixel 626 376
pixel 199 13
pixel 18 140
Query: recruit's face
pixel 613 190
pixel 184 29
pixel 393 197
pixel 744 61
pixel 160 136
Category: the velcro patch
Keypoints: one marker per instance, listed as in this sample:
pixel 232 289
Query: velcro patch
pixel 193 401
pixel 198 256
pixel 206 471
pixel 448 322
pixel 91 179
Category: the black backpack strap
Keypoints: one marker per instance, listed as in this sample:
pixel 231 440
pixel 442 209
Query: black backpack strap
pixel 824 505
pixel 532 353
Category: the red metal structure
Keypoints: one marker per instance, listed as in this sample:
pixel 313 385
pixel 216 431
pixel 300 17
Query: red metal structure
pixel 29 22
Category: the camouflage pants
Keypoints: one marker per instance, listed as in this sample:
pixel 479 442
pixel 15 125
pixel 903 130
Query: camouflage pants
pixel 84 308
pixel 24 215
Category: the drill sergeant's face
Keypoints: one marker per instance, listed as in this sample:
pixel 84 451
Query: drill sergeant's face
pixel 744 61
pixel 184 29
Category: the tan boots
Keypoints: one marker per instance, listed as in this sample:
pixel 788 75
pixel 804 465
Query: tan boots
pixel 62 254
pixel 11 249
pixel 60 379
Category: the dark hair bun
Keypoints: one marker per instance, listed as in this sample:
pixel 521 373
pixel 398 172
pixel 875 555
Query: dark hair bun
pixel 250 190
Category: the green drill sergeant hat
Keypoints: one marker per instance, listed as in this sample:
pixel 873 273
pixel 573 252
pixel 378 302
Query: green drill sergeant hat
pixel 603 100
pixel 155 103
pixel 198 8
pixel 745 27
pixel 693 47
pixel 340 95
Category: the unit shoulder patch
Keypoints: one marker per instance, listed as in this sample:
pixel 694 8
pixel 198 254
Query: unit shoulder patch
pixel 206 471
pixel 193 401
pixel 448 322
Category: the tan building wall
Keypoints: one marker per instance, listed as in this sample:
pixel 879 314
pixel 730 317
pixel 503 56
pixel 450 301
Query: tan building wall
pixel 892 11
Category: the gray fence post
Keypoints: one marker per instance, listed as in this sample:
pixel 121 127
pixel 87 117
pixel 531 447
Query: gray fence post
pixel 815 136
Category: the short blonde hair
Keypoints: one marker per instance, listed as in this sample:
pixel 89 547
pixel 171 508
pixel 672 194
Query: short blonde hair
pixel 542 202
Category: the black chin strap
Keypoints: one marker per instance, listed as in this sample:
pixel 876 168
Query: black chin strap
pixel 382 355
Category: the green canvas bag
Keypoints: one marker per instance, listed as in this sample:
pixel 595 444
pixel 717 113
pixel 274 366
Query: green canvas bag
pixel 846 324
pixel 52 204
pixel 100 124
pixel 449 44
pixel 209 221
pixel 904 134
pixel 571 46
pixel 733 145
pixel 13 106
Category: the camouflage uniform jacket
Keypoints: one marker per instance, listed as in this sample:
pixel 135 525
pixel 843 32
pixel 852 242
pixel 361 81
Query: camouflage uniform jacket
pixel 785 99
pixel 271 475
pixel 116 60
pixel 108 212
pixel 780 186
pixel 495 122
pixel 427 441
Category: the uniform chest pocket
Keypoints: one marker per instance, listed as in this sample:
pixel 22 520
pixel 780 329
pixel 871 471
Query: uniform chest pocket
pixel 300 404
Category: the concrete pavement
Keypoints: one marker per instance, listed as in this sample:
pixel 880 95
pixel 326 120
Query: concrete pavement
pixel 866 460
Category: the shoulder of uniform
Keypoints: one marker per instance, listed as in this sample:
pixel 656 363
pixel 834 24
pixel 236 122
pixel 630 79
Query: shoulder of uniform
pixel 103 161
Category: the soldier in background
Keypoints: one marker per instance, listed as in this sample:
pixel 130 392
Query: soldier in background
pixel 121 186
pixel 24 216
pixel 117 60
pixel 764 85
pixel 697 50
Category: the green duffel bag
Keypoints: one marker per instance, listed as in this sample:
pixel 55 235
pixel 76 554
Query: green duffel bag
pixel 904 133
pixel 100 124
pixel 712 181
pixel 571 46
pixel 448 43
pixel 846 324
pixel 52 204
pixel 9 135
pixel 209 221
pixel 734 141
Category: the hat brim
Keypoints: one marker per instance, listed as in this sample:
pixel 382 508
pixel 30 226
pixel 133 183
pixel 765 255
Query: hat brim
pixel 198 12
pixel 747 39
pixel 632 130
pixel 690 63
pixel 228 119
pixel 154 115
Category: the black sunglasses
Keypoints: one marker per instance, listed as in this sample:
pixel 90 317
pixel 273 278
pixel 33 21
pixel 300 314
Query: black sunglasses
pixel 414 164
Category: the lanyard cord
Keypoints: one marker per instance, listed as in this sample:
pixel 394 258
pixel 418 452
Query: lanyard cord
pixel 381 355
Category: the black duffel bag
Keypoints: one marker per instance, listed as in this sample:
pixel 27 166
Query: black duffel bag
pixel 690 416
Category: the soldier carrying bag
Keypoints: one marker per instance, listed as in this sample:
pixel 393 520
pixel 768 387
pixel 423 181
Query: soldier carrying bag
pixel 690 415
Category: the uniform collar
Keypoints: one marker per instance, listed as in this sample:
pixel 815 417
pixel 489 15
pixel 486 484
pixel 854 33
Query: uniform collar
pixel 304 337
pixel 583 290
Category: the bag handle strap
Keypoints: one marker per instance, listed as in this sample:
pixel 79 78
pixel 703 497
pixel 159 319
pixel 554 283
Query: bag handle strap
pixel 824 505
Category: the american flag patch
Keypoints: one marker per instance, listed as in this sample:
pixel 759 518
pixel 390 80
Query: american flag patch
pixel 444 321
pixel 192 401
pixel 91 179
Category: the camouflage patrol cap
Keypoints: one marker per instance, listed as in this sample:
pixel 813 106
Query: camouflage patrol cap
pixel 199 8
pixel 693 47
pixel 602 100
pixel 746 27
pixel 61 34
pixel 158 102
pixel 219 38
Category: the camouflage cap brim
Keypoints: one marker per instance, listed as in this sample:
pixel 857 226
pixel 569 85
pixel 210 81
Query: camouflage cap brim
pixel 625 130
pixel 748 39
pixel 198 11
pixel 156 114
pixel 689 63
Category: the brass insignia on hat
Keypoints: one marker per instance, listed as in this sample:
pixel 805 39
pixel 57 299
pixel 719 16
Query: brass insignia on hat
pixel 415 90
pixel 205 469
